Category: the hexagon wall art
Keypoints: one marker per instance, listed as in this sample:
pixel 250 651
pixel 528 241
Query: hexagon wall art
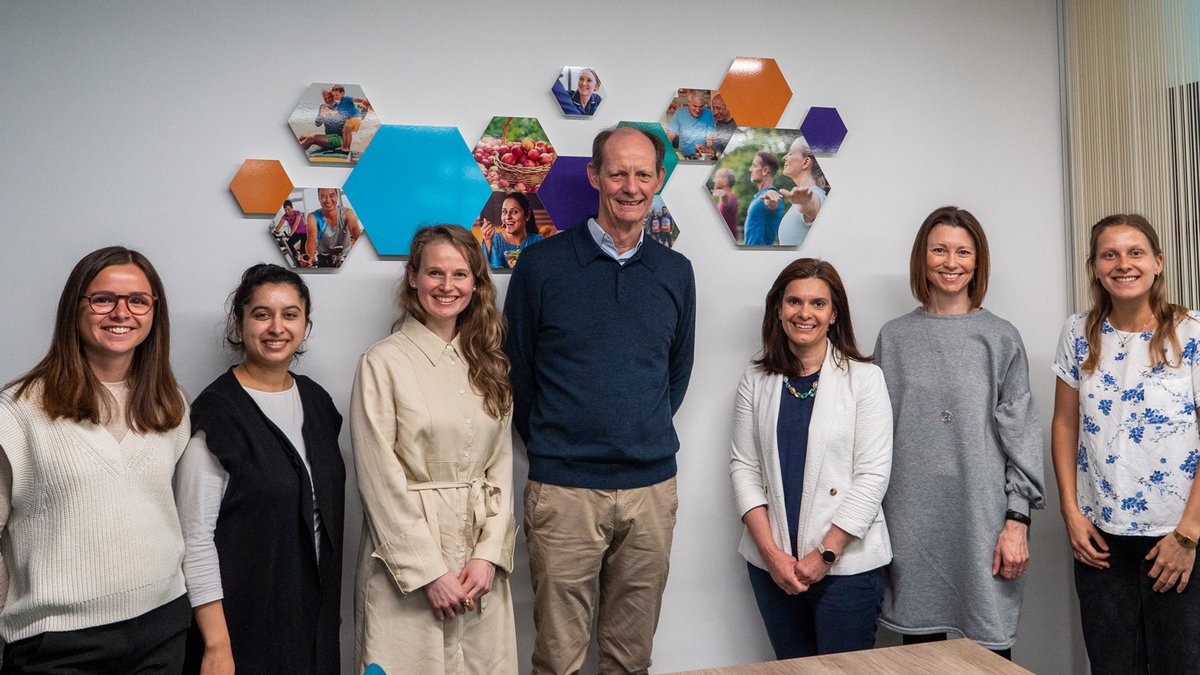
pixel 824 129
pixel 316 228
pixel 334 123
pixel 768 188
pixel 508 223
pixel 755 91
pixel 260 186
pixel 567 194
pixel 578 91
pixel 514 154
pixel 690 125
pixel 660 225
pixel 289 227
pixel 670 159
pixel 414 176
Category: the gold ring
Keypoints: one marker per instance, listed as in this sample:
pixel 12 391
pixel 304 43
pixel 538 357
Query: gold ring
pixel 468 604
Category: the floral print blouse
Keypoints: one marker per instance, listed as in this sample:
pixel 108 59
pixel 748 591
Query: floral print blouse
pixel 1139 443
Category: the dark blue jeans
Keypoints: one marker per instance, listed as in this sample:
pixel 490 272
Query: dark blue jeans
pixel 837 614
pixel 1127 626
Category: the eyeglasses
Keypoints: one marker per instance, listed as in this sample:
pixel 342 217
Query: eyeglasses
pixel 105 303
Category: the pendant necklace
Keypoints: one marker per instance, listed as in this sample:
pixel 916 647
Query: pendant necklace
pixel 947 416
pixel 1129 336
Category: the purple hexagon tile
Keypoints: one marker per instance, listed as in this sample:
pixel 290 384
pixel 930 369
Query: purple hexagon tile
pixel 567 194
pixel 824 129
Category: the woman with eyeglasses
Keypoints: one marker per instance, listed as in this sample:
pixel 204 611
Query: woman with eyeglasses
pixel 261 492
pixel 89 439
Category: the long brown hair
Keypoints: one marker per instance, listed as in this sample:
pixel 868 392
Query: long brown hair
pixel 480 326
pixel 777 357
pixel 1166 314
pixel 67 385
pixel 918 268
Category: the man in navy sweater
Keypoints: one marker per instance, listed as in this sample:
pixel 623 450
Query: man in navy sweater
pixel 601 332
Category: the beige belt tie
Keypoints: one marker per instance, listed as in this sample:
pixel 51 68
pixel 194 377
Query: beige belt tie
pixel 483 501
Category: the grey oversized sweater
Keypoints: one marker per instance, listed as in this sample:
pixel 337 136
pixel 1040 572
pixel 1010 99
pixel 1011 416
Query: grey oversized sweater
pixel 952 482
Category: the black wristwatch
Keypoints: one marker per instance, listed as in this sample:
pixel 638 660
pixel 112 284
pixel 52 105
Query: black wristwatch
pixel 828 556
pixel 1017 516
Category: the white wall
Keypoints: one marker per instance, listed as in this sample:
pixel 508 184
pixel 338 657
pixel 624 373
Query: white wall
pixel 127 120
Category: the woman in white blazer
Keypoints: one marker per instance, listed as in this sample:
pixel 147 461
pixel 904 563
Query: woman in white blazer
pixel 812 452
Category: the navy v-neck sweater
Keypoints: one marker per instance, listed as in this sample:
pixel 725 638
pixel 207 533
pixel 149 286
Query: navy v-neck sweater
pixel 601 356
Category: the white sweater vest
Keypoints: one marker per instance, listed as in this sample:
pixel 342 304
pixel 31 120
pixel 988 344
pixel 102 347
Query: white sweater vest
pixel 92 536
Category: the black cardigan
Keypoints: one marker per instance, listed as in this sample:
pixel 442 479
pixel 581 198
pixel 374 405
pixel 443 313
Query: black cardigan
pixel 282 608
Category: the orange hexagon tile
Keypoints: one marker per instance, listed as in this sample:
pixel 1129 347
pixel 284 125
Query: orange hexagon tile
pixel 755 91
pixel 260 186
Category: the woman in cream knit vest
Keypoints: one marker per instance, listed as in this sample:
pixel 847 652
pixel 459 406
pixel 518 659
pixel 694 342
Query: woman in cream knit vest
pixel 89 439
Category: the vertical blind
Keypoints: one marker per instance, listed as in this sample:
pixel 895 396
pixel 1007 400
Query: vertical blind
pixel 1133 128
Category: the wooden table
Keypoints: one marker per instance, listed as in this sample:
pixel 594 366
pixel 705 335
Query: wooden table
pixel 950 657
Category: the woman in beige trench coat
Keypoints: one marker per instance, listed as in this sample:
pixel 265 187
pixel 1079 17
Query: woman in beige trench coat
pixel 430 420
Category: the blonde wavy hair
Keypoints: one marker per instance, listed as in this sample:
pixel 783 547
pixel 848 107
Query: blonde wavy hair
pixel 480 326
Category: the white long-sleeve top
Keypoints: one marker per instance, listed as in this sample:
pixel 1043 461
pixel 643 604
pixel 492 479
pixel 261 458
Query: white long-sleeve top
pixel 200 484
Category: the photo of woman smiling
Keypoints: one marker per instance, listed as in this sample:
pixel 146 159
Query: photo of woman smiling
pixel 508 223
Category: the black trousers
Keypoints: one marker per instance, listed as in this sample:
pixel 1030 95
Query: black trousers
pixel 148 644
pixel 1128 627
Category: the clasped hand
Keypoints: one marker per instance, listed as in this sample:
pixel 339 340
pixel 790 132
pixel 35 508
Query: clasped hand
pixel 796 576
pixel 451 595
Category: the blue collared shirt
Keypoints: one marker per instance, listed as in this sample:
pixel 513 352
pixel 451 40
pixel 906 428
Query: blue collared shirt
pixel 609 246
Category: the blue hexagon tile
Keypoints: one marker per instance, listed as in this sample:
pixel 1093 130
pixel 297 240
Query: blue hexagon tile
pixel 412 176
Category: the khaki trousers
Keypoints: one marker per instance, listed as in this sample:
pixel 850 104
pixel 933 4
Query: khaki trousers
pixel 582 542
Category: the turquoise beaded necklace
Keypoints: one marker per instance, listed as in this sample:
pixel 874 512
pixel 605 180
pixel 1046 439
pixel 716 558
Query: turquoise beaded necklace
pixel 799 394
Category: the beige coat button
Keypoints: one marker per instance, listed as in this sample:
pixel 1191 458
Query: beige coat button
pixel 832 491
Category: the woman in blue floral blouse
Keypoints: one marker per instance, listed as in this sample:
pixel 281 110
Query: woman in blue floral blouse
pixel 1126 446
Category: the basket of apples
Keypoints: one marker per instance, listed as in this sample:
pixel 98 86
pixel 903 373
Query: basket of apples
pixel 525 164
pixel 516 165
